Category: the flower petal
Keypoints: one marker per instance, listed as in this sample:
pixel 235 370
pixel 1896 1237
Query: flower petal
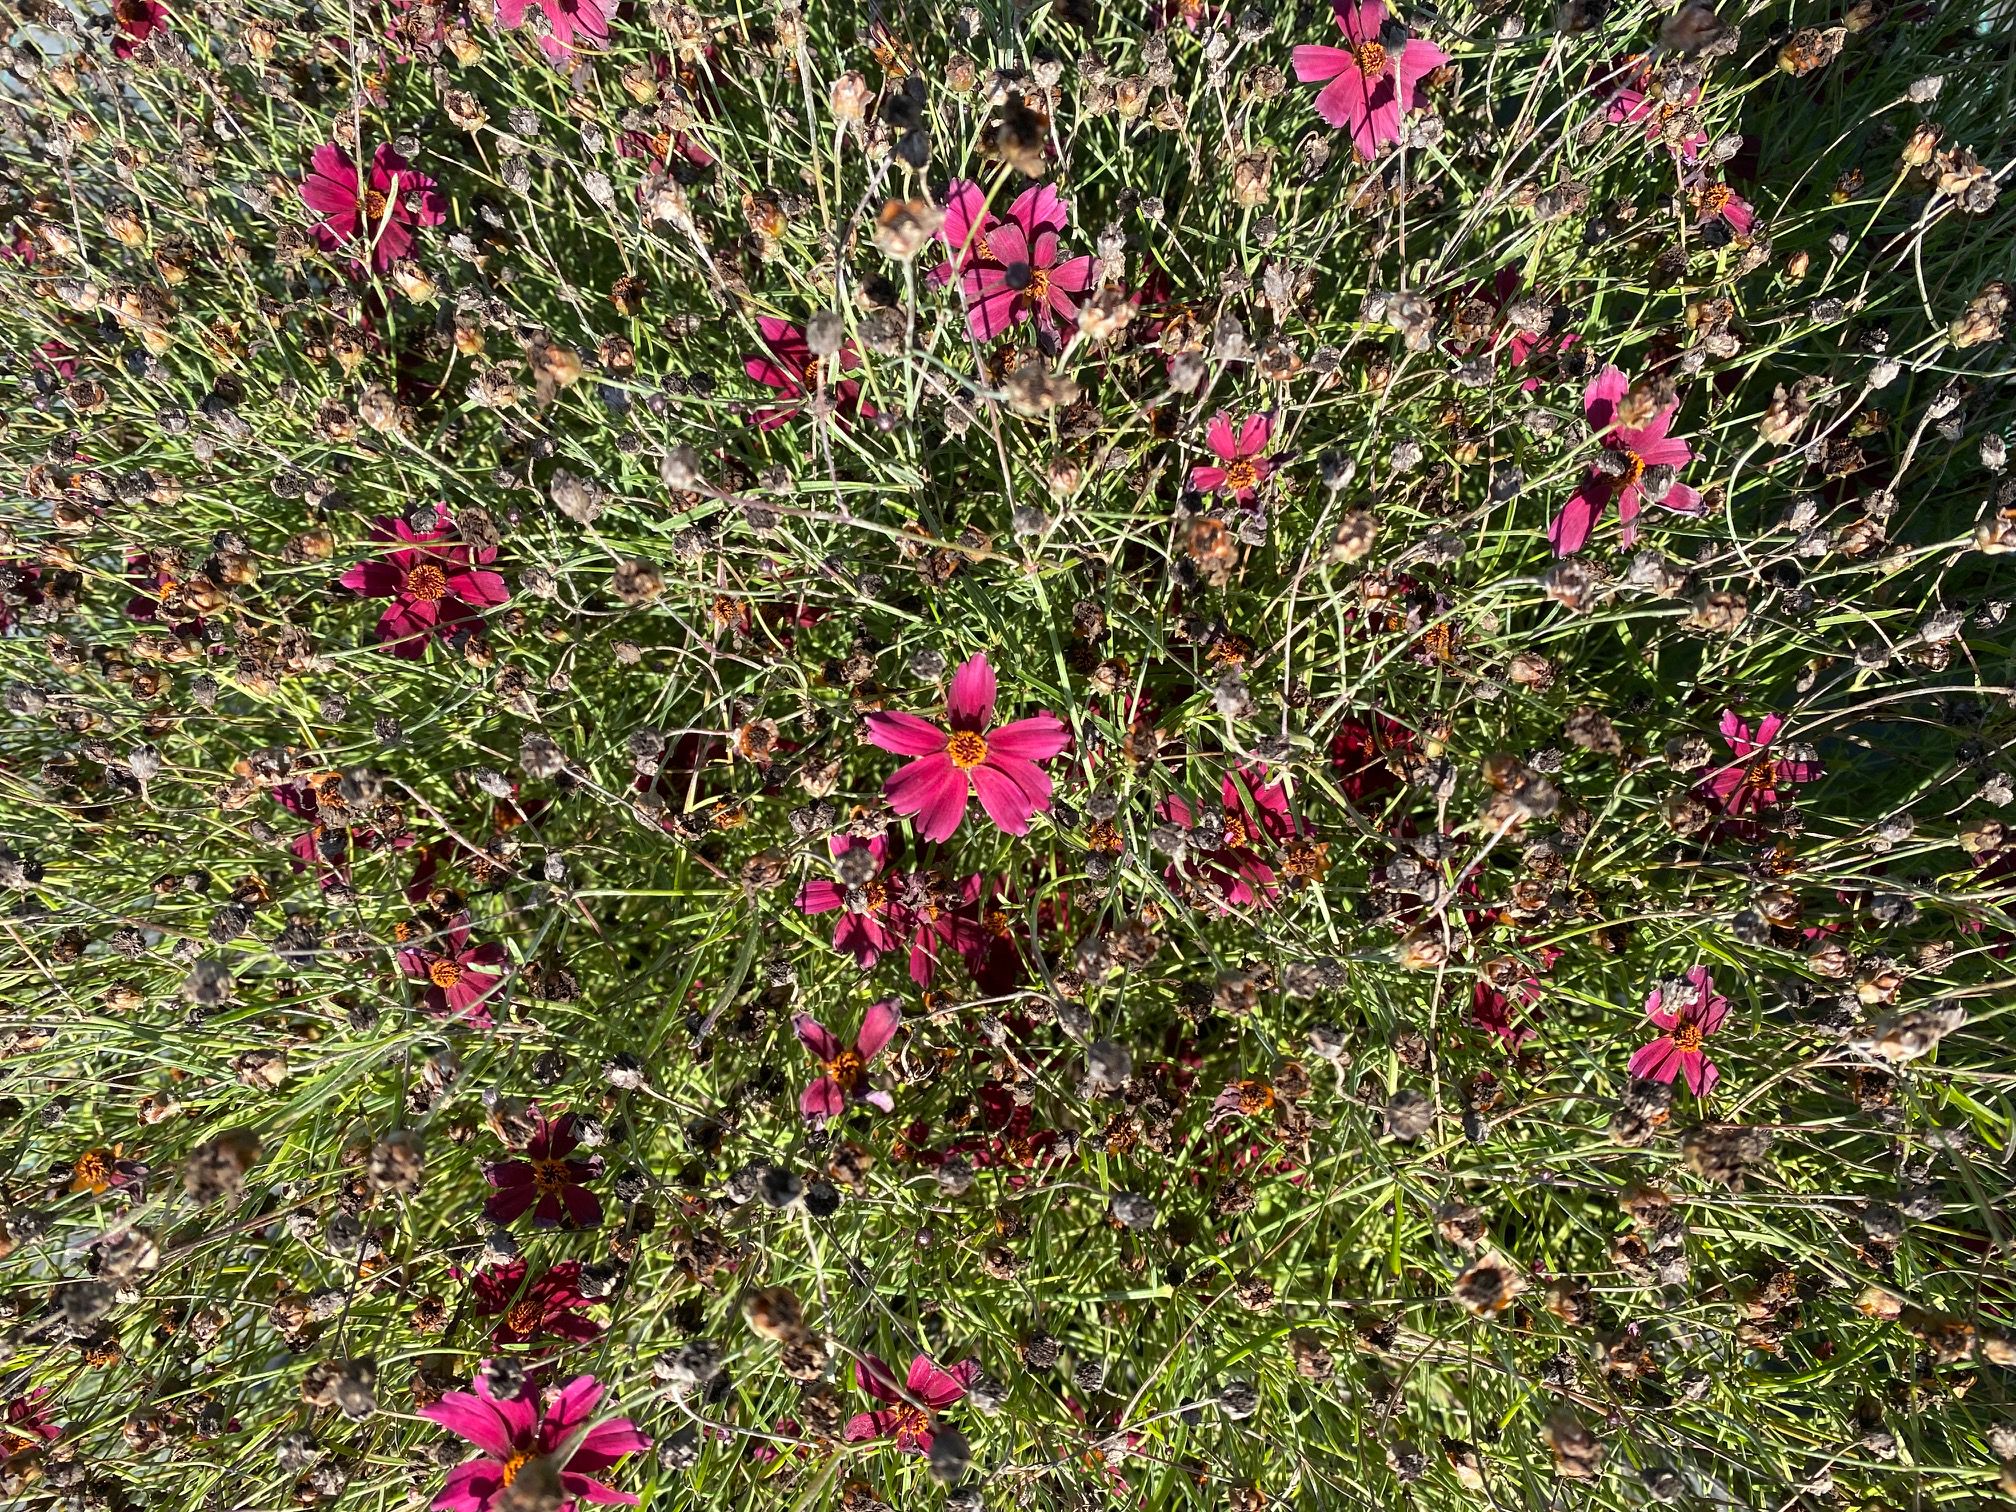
pixel 905 734
pixel 970 700
pixel 878 1027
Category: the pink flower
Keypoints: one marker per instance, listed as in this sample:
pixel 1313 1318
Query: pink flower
pixel 383 210
pixel 458 975
pixel 1254 812
pixel 570 24
pixel 1715 201
pixel 436 589
pixel 986 935
pixel 25 1425
pixel 549 1307
pixel 1495 1011
pixel 999 762
pixel 930 916
pixel 1244 468
pixel 138 20
pixel 1009 269
pixel 510 1432
pixel 1632 450
pixel 870 924
pixel 1632 102
pixel 845 1071
pixel 1371 83
pixel 1753 779
pixel 794 373
pixel 1677 1050
pixel 907 1418
pixel 546 1183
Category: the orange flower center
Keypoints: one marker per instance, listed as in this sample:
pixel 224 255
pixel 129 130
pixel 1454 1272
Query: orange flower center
pixel 980 247
pixel 427 583
pixel 510 1468
pixel 374 206
pixel 1255 1097
pixel 1761 773
pixel 1039 285
pixel 92 1172
pixel 444 973
pixel 1687 1038
pixel 967 748
pixel 1634 471
pixel 995 922
pixel 549 1177
pixel 1715 199
pixel 1371 59
pixel 1237 835
pixel 848 1070
pixel 873 896
pixel 1241 475
pixel 523 1317
pixel 910 1420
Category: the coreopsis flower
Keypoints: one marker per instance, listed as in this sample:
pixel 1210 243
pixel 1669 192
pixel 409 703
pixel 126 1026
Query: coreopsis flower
pixel 794 373
pixel 1369 84
pixel 1633 102
pixel 380 207
pixel 1714 201
pixel 437 585
pixel 99 1171
pixel 1752 781
pixel 546 1183
pixel 843 1077
pixel 25 1425
pixel 999 762
pixel 460 977
pixel 930 916
pixel 137 21
pixel 1240 468
pixel 1508 1016
pixel 986 939
pixel 1685 1014
pixel 510 1432
pixel 548 1306
pixel 906 1419
pixel 1633 450
pixel 870 923
pixel 1361 755
pixel 1010 270
pixel 1253 812
pixel 571 25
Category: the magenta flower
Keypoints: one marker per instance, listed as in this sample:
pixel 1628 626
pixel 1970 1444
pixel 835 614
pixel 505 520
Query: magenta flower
pixel 870 924
pixel 460 977
pixel 546 1183
pixel 1009 269
pixel 845 1070
pixel 1369 85
pixel 382 210
pixel 137 21
pixel 1254 812
pixel 1677 1050
pixel 1753 779
pixel 25 1425
pixel 907 1417
pixel 1631 103
pixel 975 755
pixel 929 916
pixel 794 373
pixel 1495 1012
pixel 1632 450
pixel 1714 201
pixel 510 1432
pixel 436 589
pixel 549 1307
pixel 1243 468
pixel 571 25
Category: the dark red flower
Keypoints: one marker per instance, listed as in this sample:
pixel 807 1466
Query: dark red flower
pixel 546 1183
pixel 550 1306
pixel 437 585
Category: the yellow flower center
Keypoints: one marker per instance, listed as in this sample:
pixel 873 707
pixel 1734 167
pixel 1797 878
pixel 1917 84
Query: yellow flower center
pixel 967 748
pixel 444 974
pixel 1715 199
pixel 1237 835
pixel 911 1420
pixel 1761 773
pixel 549 1177
pixel 1039 285
pixel 848 1070
pixel 1687 1038
pixel 1255 1097
pixel 523 1317
pixel 374 206
pixel 91 1173
pixel 427 583
pixel 980 247
pixel 1371 59
pixel 510 1468
pixel 1241 475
